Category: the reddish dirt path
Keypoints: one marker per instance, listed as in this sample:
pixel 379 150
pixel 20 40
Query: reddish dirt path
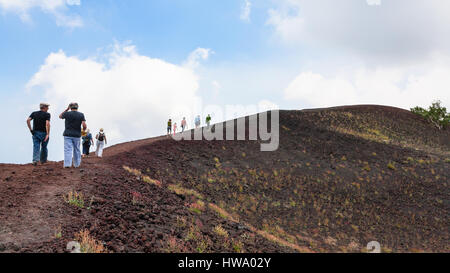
pixel 29 202
pixel 31 196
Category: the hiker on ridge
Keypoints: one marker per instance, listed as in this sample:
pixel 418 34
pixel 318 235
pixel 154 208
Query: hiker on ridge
pixel 208 121
pixel 197 121
pixel 87 142
pixel 169 127
pixel 174 128
pixel 183 125
pixel 40 133
pixel 101 142
pixel 74 120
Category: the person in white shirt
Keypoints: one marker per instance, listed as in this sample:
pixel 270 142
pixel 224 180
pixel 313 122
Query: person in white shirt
pixel 101 142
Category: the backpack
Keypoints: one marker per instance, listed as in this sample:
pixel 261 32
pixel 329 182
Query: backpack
pixel 86 139
pixel 101 137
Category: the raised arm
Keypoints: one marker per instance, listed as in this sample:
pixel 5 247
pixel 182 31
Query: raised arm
pixel 61 116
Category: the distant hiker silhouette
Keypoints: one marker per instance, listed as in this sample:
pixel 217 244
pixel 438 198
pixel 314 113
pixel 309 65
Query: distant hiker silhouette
pixel 169 127
pixel 183 125
pixel 74 120
pixel 40 133
pixel 87 141
pixel 101 142
pixel 197 122
pixel 174 128
pixel 208 121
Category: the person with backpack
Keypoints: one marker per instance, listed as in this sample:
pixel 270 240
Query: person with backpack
pixel 87 142
pixel 183 125
pixel 197 121
pixel 101 142
pixel 169 127
pixel 208 121
pixel 40 133
pixel 74 120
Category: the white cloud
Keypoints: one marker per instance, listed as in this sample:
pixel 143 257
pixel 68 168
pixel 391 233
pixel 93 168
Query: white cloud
pixel 373 2
pixel 318 91
pixel 396 30
pixel 395 54
pixel 404 87
pixel 246 10
pixel 216 87
pixel 130 95
pixel 267 105
pixel 73 2
pixel 200 54
pixel 58 8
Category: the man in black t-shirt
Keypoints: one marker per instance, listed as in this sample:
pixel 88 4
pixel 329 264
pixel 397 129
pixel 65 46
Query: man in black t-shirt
pixel 40 133
pixel 72 135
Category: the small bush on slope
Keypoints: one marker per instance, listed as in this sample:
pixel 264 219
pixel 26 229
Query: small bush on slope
pixel 436 114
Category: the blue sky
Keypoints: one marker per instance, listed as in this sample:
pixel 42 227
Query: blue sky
pixel 169 30
pixel 132 64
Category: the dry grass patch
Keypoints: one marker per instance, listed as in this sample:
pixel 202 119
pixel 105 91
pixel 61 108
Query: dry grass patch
pixel 391 166
pixel 151 181
pixel 144 178
pixel 222 213
pixel 179 190
pixel 88 244
pixel 282 242
pixel 197 207
pixel 175 245
pixel 132 171
pixel 75 199
pixel 219 230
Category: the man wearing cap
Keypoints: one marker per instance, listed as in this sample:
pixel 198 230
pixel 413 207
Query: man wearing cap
pixel 74 120
pixel 40 133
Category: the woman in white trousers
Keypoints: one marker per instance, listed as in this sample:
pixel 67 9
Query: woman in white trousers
pixel 101 142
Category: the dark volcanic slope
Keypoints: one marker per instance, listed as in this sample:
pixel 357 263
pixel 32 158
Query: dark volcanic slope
pixel 342 177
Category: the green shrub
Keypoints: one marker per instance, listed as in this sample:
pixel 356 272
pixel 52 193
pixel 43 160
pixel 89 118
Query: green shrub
pixel 436 114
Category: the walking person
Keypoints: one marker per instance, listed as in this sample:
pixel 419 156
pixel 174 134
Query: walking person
pixel 74 120
pixel 208 121
pixel 174 128
pixel 40 132
pixel 183 125
pixel 87 143
pixel 197 121
pixel 101 142
pixel 169 127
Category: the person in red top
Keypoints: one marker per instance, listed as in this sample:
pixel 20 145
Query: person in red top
pixel 183 125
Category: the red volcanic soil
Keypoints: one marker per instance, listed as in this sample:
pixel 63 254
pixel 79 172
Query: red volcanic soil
pixel 342 177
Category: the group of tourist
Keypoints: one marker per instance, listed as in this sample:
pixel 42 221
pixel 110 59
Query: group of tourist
pixel 184 125
pixel 76 134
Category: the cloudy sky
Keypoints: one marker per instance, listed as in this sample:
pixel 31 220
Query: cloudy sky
pixel 132 64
